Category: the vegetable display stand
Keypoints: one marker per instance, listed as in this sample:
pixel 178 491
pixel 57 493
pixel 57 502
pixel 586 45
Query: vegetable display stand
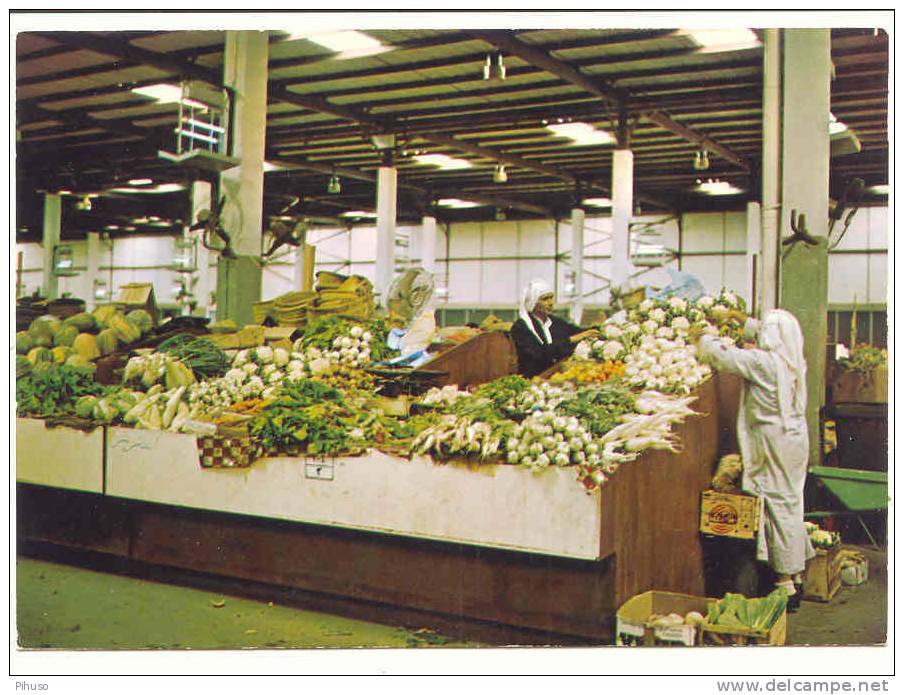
pixel 481 359
pixel 494 552
pixel 822 578
pixel 59 457
pixel 494 507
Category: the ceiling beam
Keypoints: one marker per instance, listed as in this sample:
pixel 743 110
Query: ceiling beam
pixel 108 45
pixel 506 42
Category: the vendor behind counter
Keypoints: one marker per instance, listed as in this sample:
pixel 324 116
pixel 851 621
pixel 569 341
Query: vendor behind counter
pixel 540 338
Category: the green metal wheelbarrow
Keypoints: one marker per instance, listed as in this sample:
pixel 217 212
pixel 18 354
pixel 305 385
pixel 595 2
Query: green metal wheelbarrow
pixel 857 491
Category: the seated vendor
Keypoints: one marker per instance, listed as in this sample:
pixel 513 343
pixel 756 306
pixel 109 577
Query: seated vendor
pixel 540 338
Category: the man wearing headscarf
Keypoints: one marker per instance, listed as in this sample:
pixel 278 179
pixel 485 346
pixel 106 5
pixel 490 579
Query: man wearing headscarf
pixel 772 433
pixel 540 338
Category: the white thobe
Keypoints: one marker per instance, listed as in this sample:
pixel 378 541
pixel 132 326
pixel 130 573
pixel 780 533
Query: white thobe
pixel 774 455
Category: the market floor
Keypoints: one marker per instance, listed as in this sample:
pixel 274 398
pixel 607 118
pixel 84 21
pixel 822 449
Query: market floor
pixel 65 607
pixel 62 606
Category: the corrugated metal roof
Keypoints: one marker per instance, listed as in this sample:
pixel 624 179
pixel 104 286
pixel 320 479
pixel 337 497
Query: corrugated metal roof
pixel 429 87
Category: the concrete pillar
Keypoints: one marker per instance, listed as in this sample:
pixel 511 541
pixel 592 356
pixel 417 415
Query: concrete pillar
pixel 298 268
pixel 49 241
pixel 577 264
pixel 807 70
pixel 622 208
pixel 387 180
pixel 200 200
pixel 239 279
pixel 94 251
pixel 753 255
pixel 427 250
pixel 768 271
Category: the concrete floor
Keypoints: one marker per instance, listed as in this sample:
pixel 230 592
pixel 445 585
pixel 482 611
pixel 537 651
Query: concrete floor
pixel 62 606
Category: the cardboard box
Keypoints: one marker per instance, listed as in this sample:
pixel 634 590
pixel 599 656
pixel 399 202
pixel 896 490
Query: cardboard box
pixel 138 295
pixel 849 386
pixel 719 635
pixel 731 515
pixel 854 567
pixel 822 577
pixel 631 619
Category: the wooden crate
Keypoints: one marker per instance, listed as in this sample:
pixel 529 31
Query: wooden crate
pixel 631 619
pixel 728 514
pixel 719 635
pixel 822 578
pixel 850 386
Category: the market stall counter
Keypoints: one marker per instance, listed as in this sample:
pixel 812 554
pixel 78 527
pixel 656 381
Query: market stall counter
pixel 475 547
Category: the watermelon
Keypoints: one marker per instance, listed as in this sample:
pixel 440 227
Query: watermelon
pixel 52 322
pixel 86 345
pixel 65 336
pixel 39 354
pixel 24 343
pixel 40 334
pixel 107 341
pixel 103 314
pixel 83 322
pixel 141 319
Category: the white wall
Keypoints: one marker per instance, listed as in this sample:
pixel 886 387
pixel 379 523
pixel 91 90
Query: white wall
pixel 488 263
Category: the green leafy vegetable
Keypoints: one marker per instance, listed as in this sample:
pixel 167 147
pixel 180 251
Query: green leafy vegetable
pixel 736 610
pixel 202 356
pixel 54 390
pixel 599 407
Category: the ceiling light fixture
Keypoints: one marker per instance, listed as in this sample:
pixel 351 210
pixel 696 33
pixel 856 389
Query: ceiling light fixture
pixel 580 133
pixel 442 161
pixel 358 213
pixel 597 202
pixel 457 203
pixel 160 188
pixel 878 189
pixel 494 68
pixel 499 174
pixel 334 186
pixel 167 94
pixel 701 160
pixel 140 182
pixel 383 141
pixel 64 192
pixel 717 40
pixel 84 204
pixel 717 187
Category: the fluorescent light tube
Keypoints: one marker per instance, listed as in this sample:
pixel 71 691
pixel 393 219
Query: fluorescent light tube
pixel 457 203
pixel 581 133
pixel 718 188
pixel 442 161
pixel 597 202
pixel 716 40
pixel 140 182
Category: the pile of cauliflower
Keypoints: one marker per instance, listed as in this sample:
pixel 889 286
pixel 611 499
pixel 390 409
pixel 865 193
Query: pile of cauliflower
pixel 545 439
pixel 652 341
pixel 352 350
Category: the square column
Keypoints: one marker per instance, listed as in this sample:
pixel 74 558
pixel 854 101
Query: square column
pixel 49 241
pixel 387 182
pixel 427 243
pixel 577 264
pixel 245 71
pixel 807 71
pixel 622 207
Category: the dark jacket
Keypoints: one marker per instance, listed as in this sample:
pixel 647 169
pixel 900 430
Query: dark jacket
pixel 535 356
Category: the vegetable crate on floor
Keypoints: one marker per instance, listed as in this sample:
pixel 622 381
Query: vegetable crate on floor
pixel 729 514
pixel 632 618
pixel 822 578
pixel 721 635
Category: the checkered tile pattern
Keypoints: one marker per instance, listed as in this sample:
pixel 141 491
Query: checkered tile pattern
pixel 225 452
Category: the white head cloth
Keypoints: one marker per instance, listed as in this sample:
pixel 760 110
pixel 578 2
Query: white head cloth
pixel 780 335
pixel 535 289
